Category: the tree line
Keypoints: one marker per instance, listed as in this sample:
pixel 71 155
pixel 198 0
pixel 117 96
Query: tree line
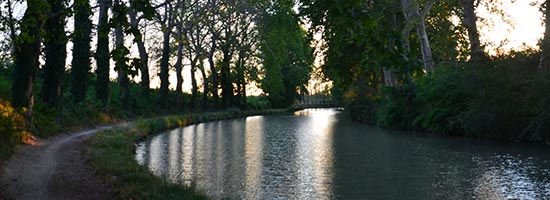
pixel 228 45
pixel 420 65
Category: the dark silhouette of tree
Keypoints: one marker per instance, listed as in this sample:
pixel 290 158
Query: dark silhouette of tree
pixel 27 52
pixel 120 53
pixel 166 21
pixel 545 46
pixel 102 52
pixel 55 43
pixel 80 69
pixel 470 22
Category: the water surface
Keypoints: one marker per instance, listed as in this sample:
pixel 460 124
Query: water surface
pixel 320 154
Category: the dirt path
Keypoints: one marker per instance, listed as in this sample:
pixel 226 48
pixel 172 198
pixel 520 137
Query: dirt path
pixel 53 169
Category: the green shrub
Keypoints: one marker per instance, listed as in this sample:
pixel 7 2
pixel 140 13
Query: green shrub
pixel 258 102
pixel 538 104
pixel 442 95
pixel 12 129
pixel 398 108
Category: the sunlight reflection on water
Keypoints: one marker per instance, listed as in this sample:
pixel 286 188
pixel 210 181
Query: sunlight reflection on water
pixel 319 154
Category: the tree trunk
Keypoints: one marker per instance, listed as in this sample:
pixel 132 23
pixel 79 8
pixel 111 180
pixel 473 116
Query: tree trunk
pixel 143 55
pixel 411 12
pixel 102 52
pixel 205 85
pixel 27 52
pixel 226 83
pixel 81 51
pixel 213 72
pixel 164 68
pixel 545 46
pixel 194 87
pixel 470 21
pixel 241 84
pixel 55 52
pixel 390 78
pixel 427 58
pixel 179 69
pixel 120 63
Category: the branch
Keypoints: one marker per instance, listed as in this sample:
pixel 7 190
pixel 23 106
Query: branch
pixel 427 9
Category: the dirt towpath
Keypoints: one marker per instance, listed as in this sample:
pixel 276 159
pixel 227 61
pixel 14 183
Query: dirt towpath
pixel 53 169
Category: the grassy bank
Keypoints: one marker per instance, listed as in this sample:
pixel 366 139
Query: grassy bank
pixel 111 154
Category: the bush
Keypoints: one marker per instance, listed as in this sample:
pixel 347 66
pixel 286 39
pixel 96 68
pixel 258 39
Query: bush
pixel 443 95
pixel 538 104
pixel 398 108
pixel 258 102
pixel 12 127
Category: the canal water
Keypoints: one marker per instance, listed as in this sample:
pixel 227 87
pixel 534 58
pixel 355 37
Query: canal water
pixel 321 154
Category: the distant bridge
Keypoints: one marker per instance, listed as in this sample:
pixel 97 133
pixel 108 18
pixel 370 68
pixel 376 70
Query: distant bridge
pixel 316 101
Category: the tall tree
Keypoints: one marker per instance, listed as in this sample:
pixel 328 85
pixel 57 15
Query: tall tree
pixel 55 43
pixel 545 46
pixel 147 13
pixel 81 50
pixel 102 52
pixel 166 21
pixel 214 31
pixel 121 52
pixel 470 22
pixel 287 57
pixel 179 66
pixel 27 53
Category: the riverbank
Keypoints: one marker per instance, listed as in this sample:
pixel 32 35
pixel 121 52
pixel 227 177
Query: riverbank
pixel 112 154
pixel 505 99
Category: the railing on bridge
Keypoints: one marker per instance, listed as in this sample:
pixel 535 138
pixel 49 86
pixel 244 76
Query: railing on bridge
pixel 315 101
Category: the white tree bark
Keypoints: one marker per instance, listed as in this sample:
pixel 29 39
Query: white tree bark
pixel 411 12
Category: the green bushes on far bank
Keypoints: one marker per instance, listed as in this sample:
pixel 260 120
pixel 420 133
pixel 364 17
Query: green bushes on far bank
pixel 505 99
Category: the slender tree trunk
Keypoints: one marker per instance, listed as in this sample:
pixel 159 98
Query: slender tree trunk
pixel 411 12
pixel 213 72
pixel 81 51
pixel 427 57
pixel 120 63
pixel 470 21
pixel 55 45
pixel 194 87
pixel 205 85
pixel 241 84
pixel 143 55
pixel 390 79
pixel 164 62
pixel 102 53
pixel 225 76
pixel 27 52
pixel 179 68
pixel 545 46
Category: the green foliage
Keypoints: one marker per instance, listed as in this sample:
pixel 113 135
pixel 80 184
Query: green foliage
pixel 506 99
pixel 12 127
pixel 258 102
pixel 398 108
pixel 6 72
pixel 538 103
pixel 286 54
pixel 443 94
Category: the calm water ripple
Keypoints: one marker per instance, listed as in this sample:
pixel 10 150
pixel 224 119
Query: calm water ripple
pixel 320 154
